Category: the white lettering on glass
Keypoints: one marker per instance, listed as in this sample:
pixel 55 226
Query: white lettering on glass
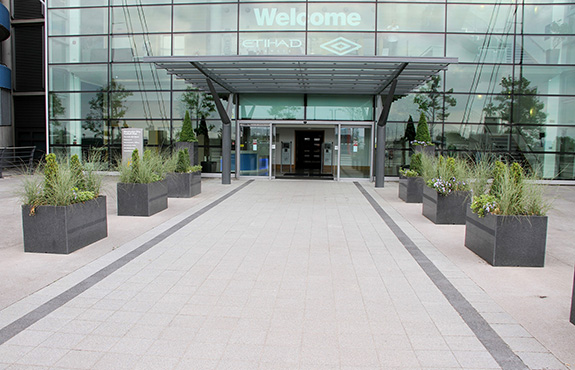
pixel 271 17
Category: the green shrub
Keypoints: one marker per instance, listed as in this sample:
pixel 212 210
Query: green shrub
pixel 422 135
pixel 149 168
pixel 415 163
pixel 183 162
pixel 187 132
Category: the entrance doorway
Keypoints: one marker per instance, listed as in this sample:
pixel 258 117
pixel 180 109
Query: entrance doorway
pixel 308 145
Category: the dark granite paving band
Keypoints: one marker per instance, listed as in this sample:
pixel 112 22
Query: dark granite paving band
pixel 34 316
pixel 496 346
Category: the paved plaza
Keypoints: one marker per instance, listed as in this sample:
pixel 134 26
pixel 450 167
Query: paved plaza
pixel 283 275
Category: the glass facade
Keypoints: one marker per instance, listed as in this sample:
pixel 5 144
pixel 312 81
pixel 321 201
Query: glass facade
pixel 512 93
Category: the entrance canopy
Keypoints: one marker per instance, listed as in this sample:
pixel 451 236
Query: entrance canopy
pixel 309 74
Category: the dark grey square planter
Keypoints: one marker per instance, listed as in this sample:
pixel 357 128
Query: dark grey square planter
pixel 425 149
pixel 445 209
pixel 142 199
pixel 64 229
pixel 507 240
pixel 184 185
pixel 572 319
pixel 411 189
pixel 192 150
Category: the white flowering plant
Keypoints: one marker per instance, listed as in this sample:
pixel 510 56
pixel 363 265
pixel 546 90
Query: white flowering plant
pixel 446 186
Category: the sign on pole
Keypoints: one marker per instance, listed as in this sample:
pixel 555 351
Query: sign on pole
pixel 132 138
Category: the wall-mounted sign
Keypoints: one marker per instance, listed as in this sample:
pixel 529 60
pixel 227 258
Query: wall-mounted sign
pixel 273 17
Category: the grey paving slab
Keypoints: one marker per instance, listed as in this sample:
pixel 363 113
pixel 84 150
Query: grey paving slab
pixel 281 274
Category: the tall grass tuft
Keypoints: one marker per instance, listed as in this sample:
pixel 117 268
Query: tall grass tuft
pixel 150 168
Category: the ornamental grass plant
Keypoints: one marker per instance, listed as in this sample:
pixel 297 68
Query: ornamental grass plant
pixel 446 174
pixel 59 182
pixel 151 167
pixel 513 192
pixel 179 162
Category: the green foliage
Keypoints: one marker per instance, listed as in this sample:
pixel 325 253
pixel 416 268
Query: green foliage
pixel 60 183
pixel 415 164
pixel 432 101
pixel 197 168
pixel 484 203
pixel 422 135
pixel 447 174
pixel 150 168
pixel 408 172
pixel 480 173
pixel 183 162
pixel 187 132
pixel 409 134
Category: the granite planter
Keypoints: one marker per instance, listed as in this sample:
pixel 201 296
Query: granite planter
pixel 192 150
pixel 507 240
pixel 411 189
pixel 447 209
pixel 64 229
pixel 184 185
pixel 425 149
pixel 142 199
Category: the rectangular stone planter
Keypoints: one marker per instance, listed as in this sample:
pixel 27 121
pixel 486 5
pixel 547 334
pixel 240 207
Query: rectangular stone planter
pixel 411 189
pixel 507 240
pixel 192 150
pixel 64 229
pixel 142 199
pixel 184 185
pixel 445 209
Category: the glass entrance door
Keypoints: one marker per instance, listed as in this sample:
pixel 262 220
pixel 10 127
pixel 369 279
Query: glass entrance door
pixel 355 152
pixel 255 150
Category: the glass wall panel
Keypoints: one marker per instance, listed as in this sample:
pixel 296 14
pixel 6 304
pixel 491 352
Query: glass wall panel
pixel 413 45
pixel 467 137
pixel 394 17
pixel 474 48
pixel 139 2
pixel 479 79
pixel 205 44
pixel 143 104
pixel 273 17
pixel 141 19
pixel 77 77
pixel 549 19
pixel 193 18
pixel 75 3
pixel 341 17
pixel 340 107
pixel 254 150
pixel 140 76
pixel 480 18
pixel 549 79
pixel 127 48
pixel 477 108
pixel 341 44
pixel 78 49
pixel 75 105
pixel 256 106
pixel 546 49
pixel 78 21
pixel 355 157
pixel 272 43
pixel 156 132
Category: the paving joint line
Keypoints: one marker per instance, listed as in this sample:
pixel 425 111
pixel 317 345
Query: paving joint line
pixel 21 324
pixel 494 344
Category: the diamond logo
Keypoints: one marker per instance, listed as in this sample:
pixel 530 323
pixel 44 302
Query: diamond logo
pixel 340 46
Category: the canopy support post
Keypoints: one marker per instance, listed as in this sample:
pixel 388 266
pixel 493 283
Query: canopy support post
pixel 380 149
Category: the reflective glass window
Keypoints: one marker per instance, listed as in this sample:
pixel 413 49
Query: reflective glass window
pixel 205 44
pixel 273 17
pixel 272 43
pixel 476 78
pixel 142 104
pixel 413 45
pixel 468 137
pixel 140 76
pixel 75 3
pixel 549 19
pixel 341 17
pixel 127 48
pixel 340 107
pixel 549 79
pixel 78 49
pixel 141 19
pixel 335 43
pixel 63 106
pixel 78 21
pixel 139 2
pixel 480 18
pixel 216 17
pixel 546 49
pixel 256 106
pixel 397 17
pixel 355 152
pixel 476 48
pixel 75 77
